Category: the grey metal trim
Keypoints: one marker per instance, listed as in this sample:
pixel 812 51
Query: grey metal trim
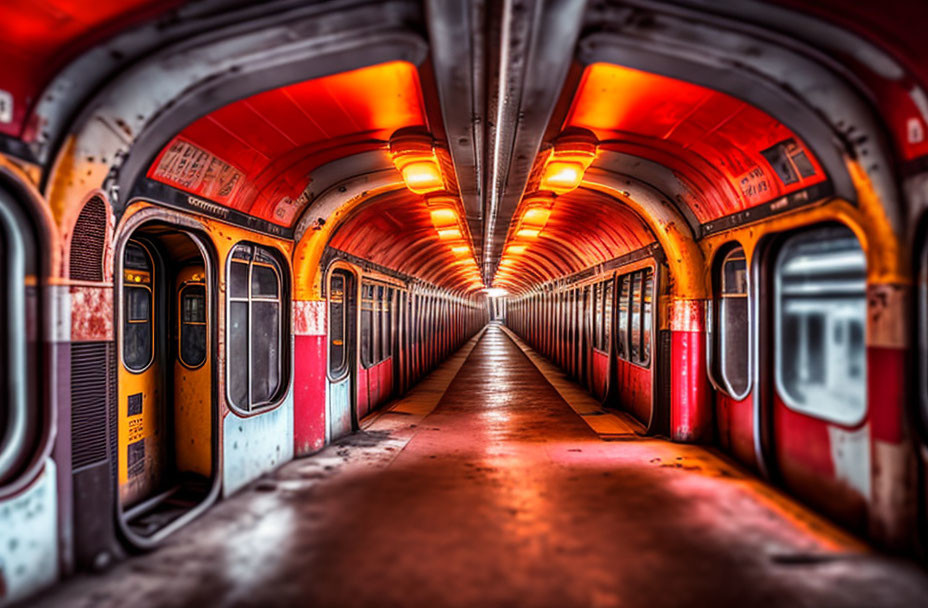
pixel 15 437
pixel 456 37
pixel 531 74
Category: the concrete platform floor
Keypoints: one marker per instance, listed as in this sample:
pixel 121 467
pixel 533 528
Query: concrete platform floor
pixel 503 496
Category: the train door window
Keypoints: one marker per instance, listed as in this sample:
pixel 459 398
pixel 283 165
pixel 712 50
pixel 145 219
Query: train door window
pixel 367 324
pixel 138 326
pixel 338 326
pixel 607 313
pixel 635 320
pixel 192 347
pixel 820 311
pixel 647 290
pixel 731 352
pixel 622 317
pixel 255 328
pixel 386 336
pixel 597 316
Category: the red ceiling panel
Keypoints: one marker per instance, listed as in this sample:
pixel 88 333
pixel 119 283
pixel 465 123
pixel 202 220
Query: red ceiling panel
pixel 275 139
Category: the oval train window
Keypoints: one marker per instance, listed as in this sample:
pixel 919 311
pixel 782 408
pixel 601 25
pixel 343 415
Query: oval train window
pixel 138 326
pixel 731 360
pixel 821 311
pixel 193 325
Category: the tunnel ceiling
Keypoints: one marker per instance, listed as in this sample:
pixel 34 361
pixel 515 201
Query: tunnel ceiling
pixel 497 95
pixel 258 155
pixel 396 231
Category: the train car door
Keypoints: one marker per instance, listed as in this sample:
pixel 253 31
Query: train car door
pixel 166 414
pixel 342 365
pixel 818 410
pixel 922 413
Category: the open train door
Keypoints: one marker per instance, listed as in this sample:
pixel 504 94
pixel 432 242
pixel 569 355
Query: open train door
pixel 341 396
pixel 166 414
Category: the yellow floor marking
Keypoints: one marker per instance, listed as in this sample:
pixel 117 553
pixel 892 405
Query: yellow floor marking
pixel 605 423
pixel 425 395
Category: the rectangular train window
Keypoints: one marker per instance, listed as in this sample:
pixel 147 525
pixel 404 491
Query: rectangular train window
pixel 635 322
pixel 255 328
pixel 138 325
pixel 597 316
pixel 367 324
pixel 646 296
pixel 388 324
pixel 338 353
pixel 731 354
pixel 607 314
pixel 622 317
pixel 192 325
pixel 820 311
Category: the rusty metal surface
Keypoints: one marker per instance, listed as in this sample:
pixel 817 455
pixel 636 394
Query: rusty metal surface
pixel 502 496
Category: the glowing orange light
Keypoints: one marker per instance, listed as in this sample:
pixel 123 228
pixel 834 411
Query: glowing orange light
pixel 537 216
pixel 460 250
pixel 562 176
pixel 449 233
pixel 573 152
pixel 444 217
pixel 528 233
pixel 411 149
pixel 516 249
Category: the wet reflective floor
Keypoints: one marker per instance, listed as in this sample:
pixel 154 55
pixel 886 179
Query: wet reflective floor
pixel 484 488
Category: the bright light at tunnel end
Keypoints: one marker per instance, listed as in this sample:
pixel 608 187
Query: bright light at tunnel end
pixel 495 292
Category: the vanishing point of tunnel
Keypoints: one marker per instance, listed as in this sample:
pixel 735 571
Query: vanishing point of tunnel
pixel 542 303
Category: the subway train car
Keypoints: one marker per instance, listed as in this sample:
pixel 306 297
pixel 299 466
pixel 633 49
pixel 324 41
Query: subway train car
pixel 233 231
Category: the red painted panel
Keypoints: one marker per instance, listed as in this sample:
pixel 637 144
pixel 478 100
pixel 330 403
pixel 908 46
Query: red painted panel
pixel 633 387
pixel 690 410
pixel 735 427
pixel 373 383
pixel 600 374
pixel 309 379
pixel 886 393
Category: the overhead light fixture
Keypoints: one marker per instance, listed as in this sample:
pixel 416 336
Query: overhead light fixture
pixel 460 250
pixel 516 249
pixel 495 292
pixel 449 233
pixel 574 151
pixel 528 233
pixel 414 157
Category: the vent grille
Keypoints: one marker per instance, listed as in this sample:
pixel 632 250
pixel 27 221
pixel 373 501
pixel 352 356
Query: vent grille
pixel 90 394
pixel 88 241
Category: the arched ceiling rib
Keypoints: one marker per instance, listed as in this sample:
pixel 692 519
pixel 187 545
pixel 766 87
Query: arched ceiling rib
pixel 257 155
pixel 395 230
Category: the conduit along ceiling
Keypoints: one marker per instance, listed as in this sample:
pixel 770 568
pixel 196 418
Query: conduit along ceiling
pixel 259 156
pixel 710 154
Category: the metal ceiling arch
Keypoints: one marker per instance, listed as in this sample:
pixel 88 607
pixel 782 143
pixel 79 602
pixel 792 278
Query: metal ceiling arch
pixel 385 225
pixel 793 82
pixel 113 142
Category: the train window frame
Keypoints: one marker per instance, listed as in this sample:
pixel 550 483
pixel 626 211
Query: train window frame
pixel 719 372
pixel 647 316
pixel 845 416
pixel 282 300
pixel 181 323
pixel 339 372
pixel 24 438
pixel 125 315
pixel 608 312
pixel 366 324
